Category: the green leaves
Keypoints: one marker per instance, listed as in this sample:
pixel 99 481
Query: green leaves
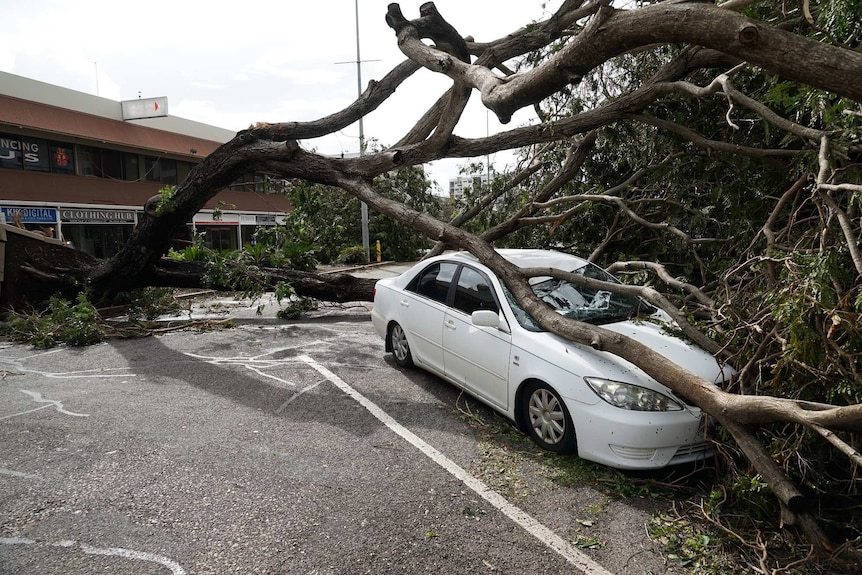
pixel 816 319
pixel 75 324
pixel 328 220
pixel 166 200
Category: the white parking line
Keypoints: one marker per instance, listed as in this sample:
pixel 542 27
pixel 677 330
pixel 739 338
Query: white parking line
pixel 102 372
pixel 255 363
pixel 532 526
pixel 174 567
pixel 20 474
pixel 37 397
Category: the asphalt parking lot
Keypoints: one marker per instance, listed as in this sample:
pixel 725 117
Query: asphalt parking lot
pixel 275 447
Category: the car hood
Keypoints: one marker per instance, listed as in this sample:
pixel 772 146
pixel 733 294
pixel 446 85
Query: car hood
pixel 685 354
pixel 583 360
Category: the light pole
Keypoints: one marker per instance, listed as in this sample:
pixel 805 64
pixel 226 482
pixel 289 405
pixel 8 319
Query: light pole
pixel 365 240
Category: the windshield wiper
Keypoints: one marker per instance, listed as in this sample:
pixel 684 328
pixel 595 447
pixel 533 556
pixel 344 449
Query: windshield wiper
pixel 604 318
pixel 593 317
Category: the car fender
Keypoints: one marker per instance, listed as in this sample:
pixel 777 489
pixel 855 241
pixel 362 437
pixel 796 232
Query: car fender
pixel 545 357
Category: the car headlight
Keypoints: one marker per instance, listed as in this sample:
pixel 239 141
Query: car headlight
pixel 628 396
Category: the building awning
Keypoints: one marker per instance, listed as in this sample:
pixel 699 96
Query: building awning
pixel 21 186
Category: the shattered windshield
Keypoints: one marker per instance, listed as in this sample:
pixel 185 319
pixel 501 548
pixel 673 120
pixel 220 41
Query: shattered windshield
pixel 581 303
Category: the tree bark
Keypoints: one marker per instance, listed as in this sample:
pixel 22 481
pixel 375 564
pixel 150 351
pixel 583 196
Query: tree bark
pixel 334 287
pixel 615 32
pixel 36 268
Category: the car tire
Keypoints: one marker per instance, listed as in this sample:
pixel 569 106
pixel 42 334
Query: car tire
pixel 546 418
pixel 399 346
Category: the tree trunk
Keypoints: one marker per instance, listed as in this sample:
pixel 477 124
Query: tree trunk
pixel 335 287
pixel 34 268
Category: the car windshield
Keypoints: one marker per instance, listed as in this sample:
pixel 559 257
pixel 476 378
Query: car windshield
pixel 581 303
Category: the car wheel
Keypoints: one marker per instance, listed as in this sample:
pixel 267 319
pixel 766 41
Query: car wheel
pixel 400 347
pixel 547 418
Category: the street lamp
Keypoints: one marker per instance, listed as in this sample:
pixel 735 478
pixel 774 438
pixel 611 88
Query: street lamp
pixel 365 240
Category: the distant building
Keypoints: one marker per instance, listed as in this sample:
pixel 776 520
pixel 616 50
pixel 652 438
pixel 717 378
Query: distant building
pixel 458 186
pixel 73 167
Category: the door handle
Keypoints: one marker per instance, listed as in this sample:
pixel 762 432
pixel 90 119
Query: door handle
pixel 404 303
pixel 450 324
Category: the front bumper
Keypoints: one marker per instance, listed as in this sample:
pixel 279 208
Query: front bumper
pixel 627 439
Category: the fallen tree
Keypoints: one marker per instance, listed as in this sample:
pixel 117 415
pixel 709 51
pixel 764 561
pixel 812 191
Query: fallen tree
pixel 32 275
pixel 719 45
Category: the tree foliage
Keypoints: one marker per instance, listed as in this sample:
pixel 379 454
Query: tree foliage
pixel 326 219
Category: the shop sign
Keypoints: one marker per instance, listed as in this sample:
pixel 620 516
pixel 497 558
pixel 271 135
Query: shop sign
pixel 265 220
pixel 144 108
pixel 215 223
pixel 207 220
pixel 97 216
pixel 32 215
pixel 31 153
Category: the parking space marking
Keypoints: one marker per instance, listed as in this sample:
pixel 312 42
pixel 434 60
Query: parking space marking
pixel 174 567
pixel 293 397
pixel 20 474
pixel 572 555
pixel 255 363
pixel 37 397
pixel 18 365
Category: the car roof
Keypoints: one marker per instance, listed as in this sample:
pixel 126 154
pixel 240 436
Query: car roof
pixel 531 258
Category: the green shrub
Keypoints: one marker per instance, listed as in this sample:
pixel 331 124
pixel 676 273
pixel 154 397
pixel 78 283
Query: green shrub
pixel 352 255
pixel 73 324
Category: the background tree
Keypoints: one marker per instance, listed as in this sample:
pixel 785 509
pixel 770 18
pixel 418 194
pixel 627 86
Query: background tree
pixel 326 219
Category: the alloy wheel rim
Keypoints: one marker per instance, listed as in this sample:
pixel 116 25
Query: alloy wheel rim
pixel 547 417
pixel 399 343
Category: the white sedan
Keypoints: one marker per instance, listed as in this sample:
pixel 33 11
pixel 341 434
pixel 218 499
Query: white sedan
pixel 451 316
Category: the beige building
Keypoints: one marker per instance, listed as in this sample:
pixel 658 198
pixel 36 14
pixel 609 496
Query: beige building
pixel 81 167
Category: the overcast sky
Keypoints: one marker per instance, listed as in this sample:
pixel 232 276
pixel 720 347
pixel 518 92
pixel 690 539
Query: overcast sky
pixel 230 64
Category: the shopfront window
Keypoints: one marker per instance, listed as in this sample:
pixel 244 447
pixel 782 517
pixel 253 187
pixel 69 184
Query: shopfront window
pixel 62 158
pixel 242 184
pixel 33 154
pixel 183 169
pixel 36 155
pixel 112 164
pixel 131 167
pixel 101 241
pixel 220 237
pixel 152 169
pixel 101 162
pixel 168 173
pixel 24 153
pixel 247 233
pixel 260 182
pixel 10 153
pixel 160 170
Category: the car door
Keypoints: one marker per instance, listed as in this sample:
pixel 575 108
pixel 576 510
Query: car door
pixel 476 357
pixel 423 309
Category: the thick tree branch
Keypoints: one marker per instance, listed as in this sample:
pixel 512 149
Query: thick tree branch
pixel 665 276
pixel 613 33
pixel 623 206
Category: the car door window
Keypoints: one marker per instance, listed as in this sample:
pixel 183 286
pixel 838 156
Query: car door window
pixel 473 292
pixel 434 281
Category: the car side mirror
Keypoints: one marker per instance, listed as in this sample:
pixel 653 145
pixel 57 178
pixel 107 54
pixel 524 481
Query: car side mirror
pixel 485 318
